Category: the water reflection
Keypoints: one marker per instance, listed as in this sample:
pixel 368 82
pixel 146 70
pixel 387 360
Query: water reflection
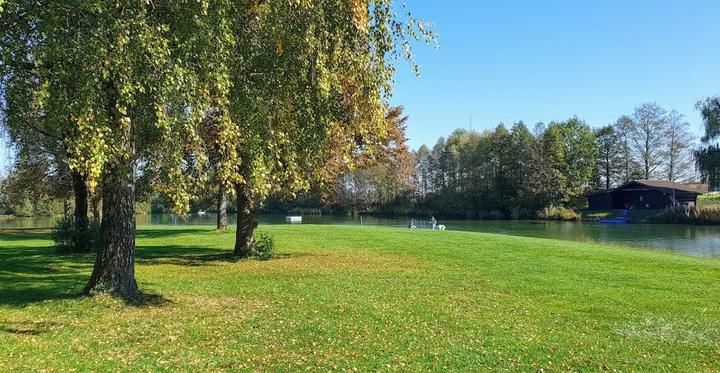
pixel 693 240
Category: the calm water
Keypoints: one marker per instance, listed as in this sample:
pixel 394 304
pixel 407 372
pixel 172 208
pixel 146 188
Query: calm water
pixel 693 240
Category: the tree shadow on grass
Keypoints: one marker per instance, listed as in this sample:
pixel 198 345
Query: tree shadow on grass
pixel 35 274
pixel 24 234
pixel 182 255
pixel 159 233
pixel 32 274
pixel 146 300
pixel 18 292
pixel 26 328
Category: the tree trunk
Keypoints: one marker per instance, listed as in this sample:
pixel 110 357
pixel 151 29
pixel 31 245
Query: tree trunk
pixel 114 270
pixel 222 218
pixel 245 221
pixel 82 242
pixel 647 157
pixel 607 173
pixel 95 205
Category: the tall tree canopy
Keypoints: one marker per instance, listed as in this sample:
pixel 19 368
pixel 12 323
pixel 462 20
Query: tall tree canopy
pixel 629 167
pixel 572 155
pixel 708 156
pixel 128 85
pixel 380 170
pixel 650 121
pixel 506 173
pixel 677 149
pixel 610 160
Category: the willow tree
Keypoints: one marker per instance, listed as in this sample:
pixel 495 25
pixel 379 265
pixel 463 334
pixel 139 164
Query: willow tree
pixel 212 134
pixel 143 113
pixel 112 76
pixel 132 82
pixel 39 128
pixel 294 82
pixel 708 156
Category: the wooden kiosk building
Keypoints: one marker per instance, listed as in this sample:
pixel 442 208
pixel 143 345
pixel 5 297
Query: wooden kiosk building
pixel 646 194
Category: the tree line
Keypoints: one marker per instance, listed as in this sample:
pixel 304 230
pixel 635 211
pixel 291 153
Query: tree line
pixel 516 172
pixel 184 98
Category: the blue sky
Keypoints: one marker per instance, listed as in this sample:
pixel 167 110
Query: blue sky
pixel 503 61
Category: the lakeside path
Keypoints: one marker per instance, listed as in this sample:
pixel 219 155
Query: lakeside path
pixel 343 297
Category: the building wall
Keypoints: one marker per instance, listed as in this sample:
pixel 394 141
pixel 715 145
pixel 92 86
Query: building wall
pixel 637 199
pixel 600 201
pixel 640 199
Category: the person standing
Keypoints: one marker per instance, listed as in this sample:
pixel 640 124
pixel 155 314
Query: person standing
pixel 433 222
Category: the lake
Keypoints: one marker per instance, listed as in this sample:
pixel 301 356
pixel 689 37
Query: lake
pixel 687 239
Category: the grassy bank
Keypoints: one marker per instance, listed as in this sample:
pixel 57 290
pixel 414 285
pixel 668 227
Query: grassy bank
pixel 701 215
pixel 635 216
pixel 360 297
pixel 708 200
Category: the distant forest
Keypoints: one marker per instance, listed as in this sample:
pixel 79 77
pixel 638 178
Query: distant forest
pixel 507 172
pixel 517 171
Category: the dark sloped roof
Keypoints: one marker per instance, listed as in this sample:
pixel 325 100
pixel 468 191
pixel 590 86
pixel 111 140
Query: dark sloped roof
pixel 664 185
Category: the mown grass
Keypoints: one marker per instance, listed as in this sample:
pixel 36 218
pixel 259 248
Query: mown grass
pixel 594 215
pixel 708 199
pixel 360 297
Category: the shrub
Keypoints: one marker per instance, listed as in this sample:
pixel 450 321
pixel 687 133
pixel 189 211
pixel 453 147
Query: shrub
pixel 69 240
pixel 707 214
pixel 559 213
pixel 264 247
pixel 701 215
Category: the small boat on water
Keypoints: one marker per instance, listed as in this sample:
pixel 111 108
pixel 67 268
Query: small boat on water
pixel 612 221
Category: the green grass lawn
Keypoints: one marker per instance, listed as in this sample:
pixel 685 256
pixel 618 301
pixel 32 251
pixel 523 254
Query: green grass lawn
pixel 601 214
pixel 708 200
pixel 359 297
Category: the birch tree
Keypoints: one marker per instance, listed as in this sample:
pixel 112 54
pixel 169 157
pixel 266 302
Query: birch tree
pixel 678 156
pixel 129 84
pixel 648 138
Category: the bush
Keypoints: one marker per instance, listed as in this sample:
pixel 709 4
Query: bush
pixel 69 240
pixel 559 213
pixel 264 247
pixel 701 215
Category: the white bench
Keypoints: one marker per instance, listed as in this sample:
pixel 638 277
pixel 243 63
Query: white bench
pixel 293 219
